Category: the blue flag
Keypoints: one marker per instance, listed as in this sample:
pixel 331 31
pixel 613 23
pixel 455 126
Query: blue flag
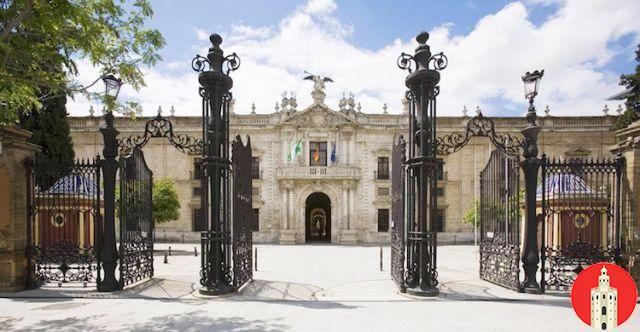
pixel 334 158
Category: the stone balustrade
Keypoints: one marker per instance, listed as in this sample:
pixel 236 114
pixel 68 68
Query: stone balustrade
pixel 318 172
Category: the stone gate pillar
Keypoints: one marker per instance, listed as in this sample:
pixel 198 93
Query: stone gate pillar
pixel 14 151
pixel 628 146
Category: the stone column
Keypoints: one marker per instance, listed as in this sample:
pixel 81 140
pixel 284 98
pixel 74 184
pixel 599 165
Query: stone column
pixel 287 233
pixel 349 235
pixel 347 147
pixel 628 146
pixel 14 151
pixel 285 210
pixel 345 206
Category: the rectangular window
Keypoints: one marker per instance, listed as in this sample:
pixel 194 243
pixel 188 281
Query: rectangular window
pixel 198 224
pixel 197 170
pixel 317 153
pixel 440 170
pixel 383 168
pixel 383 220
pixel 255 168
pixel 196 191
pixel 440 191
pixel 255 222
pixel 439 220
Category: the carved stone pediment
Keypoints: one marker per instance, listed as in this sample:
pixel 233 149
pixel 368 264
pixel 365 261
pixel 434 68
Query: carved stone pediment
pixel 318 116
pixel 383 202
pixel 578 152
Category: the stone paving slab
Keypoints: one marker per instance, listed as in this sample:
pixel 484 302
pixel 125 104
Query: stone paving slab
pixel 297 288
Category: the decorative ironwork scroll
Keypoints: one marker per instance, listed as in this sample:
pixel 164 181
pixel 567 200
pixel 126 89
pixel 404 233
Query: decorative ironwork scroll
pixel 136 220
pixel 581 217
pixel 161 127
pixel 64 222
pixel 397 214
pixel 242 213
pixel 479 126
pixel 499 212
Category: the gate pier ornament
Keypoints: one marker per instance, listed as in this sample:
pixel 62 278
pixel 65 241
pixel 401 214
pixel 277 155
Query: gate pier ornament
pixel 215 83
pixel 421 166
pixel 531 165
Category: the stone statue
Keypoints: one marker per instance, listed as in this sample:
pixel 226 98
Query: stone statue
pixel 318 93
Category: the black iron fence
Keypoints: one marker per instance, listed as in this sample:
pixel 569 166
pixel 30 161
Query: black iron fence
pixel 242 213
pixel 397 214
pixel 581 211
pixel 64 222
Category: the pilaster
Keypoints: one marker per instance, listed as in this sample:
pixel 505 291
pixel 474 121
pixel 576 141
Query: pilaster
pixel 628 146
pixel 14 151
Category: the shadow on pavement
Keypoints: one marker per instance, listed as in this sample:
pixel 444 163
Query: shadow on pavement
pixel 192 321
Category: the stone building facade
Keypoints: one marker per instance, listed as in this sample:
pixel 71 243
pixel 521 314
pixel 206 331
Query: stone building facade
pixel 337 189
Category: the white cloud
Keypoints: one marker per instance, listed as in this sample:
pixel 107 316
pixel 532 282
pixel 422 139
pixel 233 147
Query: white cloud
pixel 485 66
pixel 320 7
pixel 242 32
pixel 201 34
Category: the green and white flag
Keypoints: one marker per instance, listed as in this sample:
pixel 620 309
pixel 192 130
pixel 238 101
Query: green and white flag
pixel 296 149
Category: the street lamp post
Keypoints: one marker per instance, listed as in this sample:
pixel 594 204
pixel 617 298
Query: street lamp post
pixel 531 165
pixel 421 166
pixel 109 164
pixel 215 84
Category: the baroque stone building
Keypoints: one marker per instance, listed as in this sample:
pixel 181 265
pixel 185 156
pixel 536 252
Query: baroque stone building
pixel 335 186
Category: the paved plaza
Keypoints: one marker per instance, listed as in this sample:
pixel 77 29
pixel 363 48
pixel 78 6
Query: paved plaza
pixel 297 288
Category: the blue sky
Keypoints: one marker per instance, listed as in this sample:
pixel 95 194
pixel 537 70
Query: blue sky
pixel 584 45
pixel 375 22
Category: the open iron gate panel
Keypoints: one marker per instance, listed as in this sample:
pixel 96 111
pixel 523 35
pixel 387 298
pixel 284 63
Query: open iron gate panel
pixel 499 212
pixel 136 219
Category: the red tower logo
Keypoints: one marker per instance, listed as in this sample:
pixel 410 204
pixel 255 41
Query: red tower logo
pixel 604 296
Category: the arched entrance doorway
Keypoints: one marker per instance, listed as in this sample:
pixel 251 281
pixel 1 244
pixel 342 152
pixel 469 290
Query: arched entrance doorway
pixel 318 218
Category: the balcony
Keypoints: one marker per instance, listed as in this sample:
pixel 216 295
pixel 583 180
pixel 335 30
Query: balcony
pixel 315 172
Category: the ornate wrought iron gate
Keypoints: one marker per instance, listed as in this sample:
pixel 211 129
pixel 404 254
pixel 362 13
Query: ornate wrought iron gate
pixel 242 213
pixel 136 220
pixel 397 214
pixel 581 211
pixel 499 214
pixel 64 222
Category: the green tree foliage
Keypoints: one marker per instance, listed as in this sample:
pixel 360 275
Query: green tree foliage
pixel 494 209
pixel 469 217
pixel 50 131
pixel 166 206
pixel 41 40
pixel 630 81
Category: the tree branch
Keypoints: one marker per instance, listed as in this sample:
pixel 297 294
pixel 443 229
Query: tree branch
pixel 6 32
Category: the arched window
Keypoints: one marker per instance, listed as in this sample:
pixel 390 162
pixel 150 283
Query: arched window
pixel 604 326
pixel 604 310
